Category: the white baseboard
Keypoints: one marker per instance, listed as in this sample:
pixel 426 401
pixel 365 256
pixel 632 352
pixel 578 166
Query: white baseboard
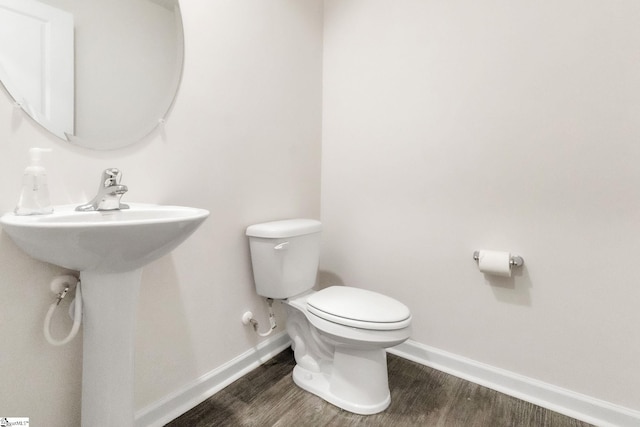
pixel 575 405
pixel 164 410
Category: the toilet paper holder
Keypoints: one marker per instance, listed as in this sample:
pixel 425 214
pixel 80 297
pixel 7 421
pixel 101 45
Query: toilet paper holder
pixel 514 260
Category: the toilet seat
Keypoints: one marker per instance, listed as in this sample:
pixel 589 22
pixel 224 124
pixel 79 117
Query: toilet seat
pixel 359 308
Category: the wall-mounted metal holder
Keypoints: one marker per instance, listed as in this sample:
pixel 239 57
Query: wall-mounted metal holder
pixel 514 261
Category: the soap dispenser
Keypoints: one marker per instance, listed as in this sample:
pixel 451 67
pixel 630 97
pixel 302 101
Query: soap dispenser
pixel 34 198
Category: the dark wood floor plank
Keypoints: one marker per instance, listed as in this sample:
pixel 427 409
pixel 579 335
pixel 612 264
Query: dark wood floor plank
pixel 420 396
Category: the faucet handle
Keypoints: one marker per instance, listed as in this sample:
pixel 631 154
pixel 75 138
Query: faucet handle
pixel 110 177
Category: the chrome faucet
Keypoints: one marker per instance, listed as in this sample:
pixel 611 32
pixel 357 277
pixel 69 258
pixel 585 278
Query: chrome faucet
pixel 109 193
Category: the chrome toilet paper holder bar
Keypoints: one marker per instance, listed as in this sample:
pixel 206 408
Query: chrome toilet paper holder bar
pixel 514 260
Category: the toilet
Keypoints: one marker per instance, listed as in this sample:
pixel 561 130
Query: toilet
pixel 339 334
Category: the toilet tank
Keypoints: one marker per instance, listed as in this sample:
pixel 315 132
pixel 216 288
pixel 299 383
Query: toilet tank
pixel 285 256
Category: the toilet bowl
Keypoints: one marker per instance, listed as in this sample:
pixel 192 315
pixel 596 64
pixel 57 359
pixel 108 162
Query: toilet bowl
pixel 344 365
pixel 339 334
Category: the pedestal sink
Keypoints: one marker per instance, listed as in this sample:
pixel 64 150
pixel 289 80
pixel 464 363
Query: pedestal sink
pixel 109 249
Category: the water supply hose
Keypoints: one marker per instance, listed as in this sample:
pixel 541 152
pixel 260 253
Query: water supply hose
pixel 65 283
pixel 248 319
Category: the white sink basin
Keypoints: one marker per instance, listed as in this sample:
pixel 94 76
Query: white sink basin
pixel 109 249
pixel 107 241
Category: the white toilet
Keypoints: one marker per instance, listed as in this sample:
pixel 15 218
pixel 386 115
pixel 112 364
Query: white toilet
pixel 338 334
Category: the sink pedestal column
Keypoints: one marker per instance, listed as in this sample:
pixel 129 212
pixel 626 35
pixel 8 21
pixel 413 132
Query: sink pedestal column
pixel 109 321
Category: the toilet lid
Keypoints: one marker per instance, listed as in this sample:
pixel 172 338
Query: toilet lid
pixel 359 308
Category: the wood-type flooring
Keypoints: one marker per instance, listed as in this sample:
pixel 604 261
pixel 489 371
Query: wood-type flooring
pixel 420 396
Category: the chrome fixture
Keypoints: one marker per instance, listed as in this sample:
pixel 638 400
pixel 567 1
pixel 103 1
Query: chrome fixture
pixel 109 193
pixel 514 260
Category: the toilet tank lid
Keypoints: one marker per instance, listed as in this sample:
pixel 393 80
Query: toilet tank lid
pixel 284 228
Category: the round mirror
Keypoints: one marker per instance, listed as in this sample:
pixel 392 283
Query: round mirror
pixel 98 73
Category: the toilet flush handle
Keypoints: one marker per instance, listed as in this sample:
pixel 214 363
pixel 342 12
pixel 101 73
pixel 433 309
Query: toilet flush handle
pixel 281 247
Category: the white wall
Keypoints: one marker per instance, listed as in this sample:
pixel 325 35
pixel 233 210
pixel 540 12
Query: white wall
pixel 243 141
pixel 461 125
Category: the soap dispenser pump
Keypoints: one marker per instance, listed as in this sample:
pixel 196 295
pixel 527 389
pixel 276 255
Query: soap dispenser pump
pixel 34 198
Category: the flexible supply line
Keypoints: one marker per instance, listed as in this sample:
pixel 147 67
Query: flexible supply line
pixel 247 319
pixel 68 282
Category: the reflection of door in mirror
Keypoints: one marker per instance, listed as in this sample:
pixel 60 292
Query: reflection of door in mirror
pixel 37 62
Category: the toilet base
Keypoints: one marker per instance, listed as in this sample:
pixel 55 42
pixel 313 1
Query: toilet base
pixel 356 381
